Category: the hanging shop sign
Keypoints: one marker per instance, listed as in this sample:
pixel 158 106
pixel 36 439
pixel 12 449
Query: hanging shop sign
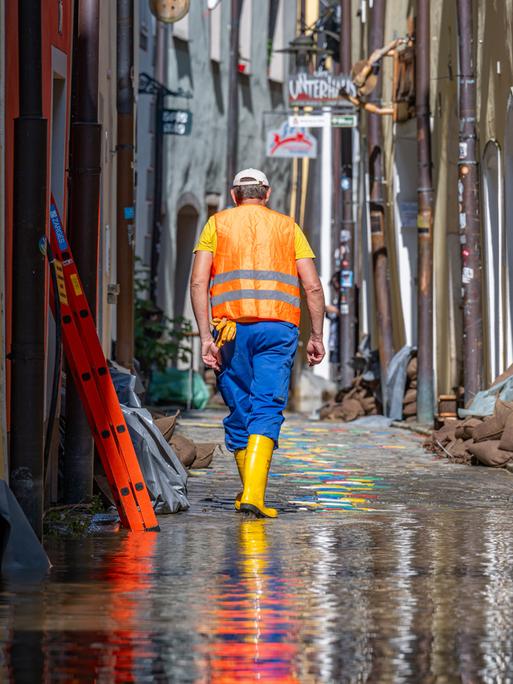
pixel 307 120
pixel 289 142
pixel 176 122
pixel 169 12
pixel 318 89
pixel 344 120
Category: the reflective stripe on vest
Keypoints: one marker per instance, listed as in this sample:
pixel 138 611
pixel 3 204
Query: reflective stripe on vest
pixel 235 295
pixel 254 272
pixel 247 274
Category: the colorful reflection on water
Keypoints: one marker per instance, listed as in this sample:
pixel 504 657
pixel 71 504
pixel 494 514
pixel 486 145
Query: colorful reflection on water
pixel 410 597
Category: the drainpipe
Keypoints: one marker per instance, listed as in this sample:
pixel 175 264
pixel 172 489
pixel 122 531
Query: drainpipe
pixel 4 463
pixel 232 116
pixel 425 392
pixel 28 268
pixel 299 162
pixel 347 299
pixel 158 164
pixel 83 229
pixel 377 205
pixel 469 217
pixel 125 235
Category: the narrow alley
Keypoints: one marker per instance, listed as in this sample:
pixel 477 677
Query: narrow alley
pixel 385 565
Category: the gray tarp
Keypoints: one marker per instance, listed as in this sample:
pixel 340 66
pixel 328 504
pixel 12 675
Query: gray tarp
pixel 483 403
pixel 165 476
pixel 21 550
pixel 396 382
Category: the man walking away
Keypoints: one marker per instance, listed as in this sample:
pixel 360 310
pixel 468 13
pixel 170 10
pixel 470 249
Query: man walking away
pixel 252 260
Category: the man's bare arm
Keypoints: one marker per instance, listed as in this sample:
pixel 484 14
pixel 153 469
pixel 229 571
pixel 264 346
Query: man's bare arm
pixel 315 302
pixel 200 281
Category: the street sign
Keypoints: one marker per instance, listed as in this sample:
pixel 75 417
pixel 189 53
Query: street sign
pixel 176 122
pixel 344 120
pixel 320 88
pixel 289 142
pixel 307 120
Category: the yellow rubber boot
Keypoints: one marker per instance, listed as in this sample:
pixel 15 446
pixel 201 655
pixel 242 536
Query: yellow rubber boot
pixel 240 457
pixel 259 453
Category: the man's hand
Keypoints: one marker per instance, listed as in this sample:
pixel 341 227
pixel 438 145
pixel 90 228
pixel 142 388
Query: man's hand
pixel 315 350
pixel 210 354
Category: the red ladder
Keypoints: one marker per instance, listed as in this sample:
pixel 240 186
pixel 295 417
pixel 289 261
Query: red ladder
pixel 92 378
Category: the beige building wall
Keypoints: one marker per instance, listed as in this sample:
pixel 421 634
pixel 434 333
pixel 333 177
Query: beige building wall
pixel 494 49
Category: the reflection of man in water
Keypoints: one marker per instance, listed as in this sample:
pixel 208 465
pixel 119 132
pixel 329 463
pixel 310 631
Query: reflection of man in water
pixel 253 630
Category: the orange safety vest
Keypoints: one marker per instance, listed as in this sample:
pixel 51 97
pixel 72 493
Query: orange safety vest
pixel 254 272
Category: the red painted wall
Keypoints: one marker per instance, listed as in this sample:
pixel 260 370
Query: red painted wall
pixel 57 31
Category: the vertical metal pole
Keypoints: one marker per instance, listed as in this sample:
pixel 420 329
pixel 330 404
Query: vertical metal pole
pixel 4 460
pixel 425 392
pixel 125 242
pixel 83 229
pixel 347 298
pixel 302 16
pixel 28 268
pixel 158 164
pixel 299 177
pixel 232 116
pixel 469 215
pixel 323 369
pixel 377 206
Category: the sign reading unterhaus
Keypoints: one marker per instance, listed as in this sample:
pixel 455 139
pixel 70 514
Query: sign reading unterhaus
pixel 320 88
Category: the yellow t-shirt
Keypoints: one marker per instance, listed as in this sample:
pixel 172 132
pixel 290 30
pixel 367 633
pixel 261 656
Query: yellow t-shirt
pixel 208 241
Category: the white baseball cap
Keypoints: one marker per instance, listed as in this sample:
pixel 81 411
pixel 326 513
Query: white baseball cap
pixel 250 177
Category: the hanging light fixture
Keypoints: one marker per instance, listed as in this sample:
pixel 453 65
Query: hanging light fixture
pixel 169 11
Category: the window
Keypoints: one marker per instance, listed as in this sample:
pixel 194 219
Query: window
pixel 245 36
pixel 215 33
pixel 277 41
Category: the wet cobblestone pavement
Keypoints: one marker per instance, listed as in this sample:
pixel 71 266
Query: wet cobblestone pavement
pixel 385 565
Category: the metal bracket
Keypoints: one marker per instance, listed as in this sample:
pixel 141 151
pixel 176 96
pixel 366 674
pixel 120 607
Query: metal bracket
pixel 150 86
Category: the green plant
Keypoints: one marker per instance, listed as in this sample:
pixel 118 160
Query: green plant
pixel 159 340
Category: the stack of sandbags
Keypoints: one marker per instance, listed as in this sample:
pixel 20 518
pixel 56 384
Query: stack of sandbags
pixel 410 394
pixel 191 454
pixel 487 441
pixel 354 402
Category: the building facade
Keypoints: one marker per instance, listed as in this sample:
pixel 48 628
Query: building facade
pixel 192 56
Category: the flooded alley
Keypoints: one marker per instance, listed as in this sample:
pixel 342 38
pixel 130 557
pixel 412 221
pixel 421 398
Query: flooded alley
pixel 385 565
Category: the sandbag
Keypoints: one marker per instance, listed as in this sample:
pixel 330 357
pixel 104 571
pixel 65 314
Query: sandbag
pixel 352 409
pixel 204 455
pixel 493 426
pixel 488 453
pixel 506 442
pixel 411 370
pixel 445 434
pixel 465 430
pixel 410 396
pixel 410 409
pixel 167 425
pixel 185 449
pixel 460 449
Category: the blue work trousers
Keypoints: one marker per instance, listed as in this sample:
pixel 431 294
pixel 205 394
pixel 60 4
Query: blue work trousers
pixel 254 380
